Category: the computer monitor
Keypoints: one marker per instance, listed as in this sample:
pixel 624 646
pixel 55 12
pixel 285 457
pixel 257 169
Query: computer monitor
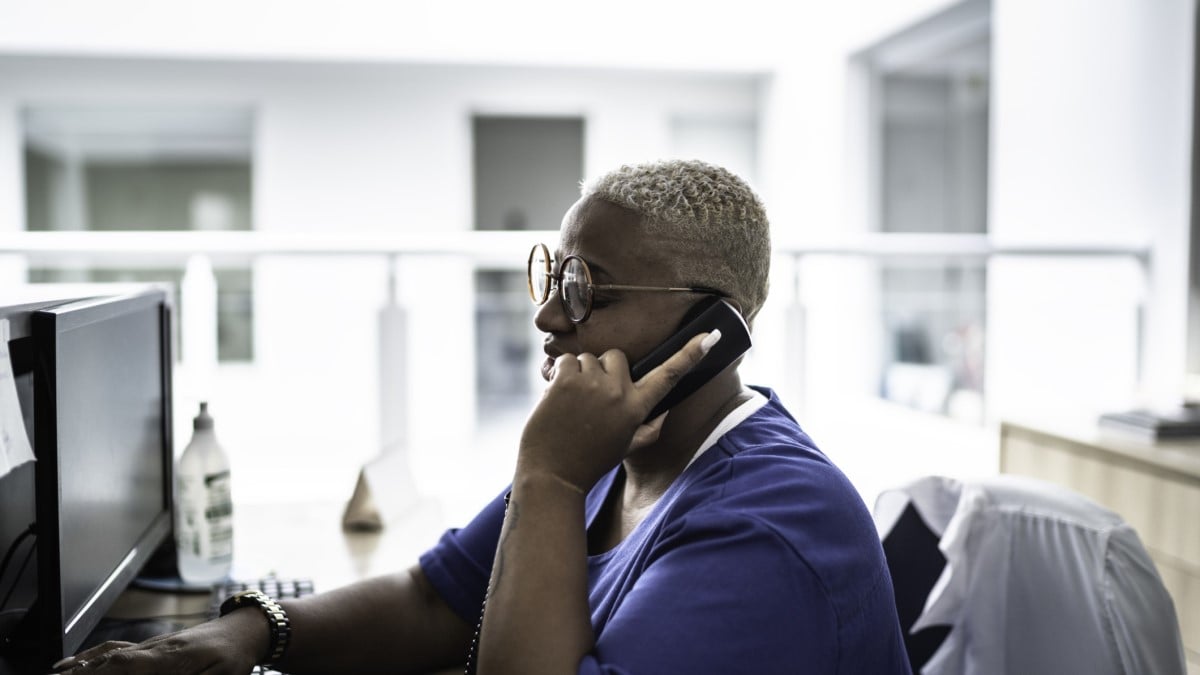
pixel 94 378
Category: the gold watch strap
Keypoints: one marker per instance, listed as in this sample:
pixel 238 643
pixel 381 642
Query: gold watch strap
pixel 277 620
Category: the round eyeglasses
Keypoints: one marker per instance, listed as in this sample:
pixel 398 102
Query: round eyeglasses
pixel 574 283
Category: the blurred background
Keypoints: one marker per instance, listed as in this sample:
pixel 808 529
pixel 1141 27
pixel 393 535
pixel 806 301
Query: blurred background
pixel 980 209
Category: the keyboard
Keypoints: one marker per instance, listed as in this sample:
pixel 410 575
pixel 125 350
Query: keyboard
pixel 273 587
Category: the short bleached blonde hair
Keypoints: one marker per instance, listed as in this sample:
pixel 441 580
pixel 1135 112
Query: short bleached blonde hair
pixel 714 223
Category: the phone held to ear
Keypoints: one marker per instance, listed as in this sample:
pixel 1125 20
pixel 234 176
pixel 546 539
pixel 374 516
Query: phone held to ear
pixel 716 314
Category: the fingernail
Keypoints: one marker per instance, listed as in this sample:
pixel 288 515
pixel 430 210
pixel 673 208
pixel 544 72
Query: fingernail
pixel 63 664
pixel 710 340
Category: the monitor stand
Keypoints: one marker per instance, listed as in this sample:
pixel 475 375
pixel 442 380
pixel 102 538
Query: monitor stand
pixel 161 572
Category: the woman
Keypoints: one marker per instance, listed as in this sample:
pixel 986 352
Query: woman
pixel 715 538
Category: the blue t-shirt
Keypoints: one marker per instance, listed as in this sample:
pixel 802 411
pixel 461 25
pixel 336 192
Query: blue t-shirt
pixel 760 558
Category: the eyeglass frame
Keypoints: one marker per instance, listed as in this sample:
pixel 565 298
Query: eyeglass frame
pixel 556 282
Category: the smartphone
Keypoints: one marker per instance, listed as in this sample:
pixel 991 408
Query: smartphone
pixel 710 314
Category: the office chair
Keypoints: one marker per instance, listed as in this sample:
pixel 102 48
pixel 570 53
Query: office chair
pixel 1015 575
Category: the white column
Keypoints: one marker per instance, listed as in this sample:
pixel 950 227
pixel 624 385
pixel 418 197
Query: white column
pixel 393 370
pixel 198 324
pixel 386 490
pixel 72 201
pixel 68 209
pixel 13 268
pixel 796 338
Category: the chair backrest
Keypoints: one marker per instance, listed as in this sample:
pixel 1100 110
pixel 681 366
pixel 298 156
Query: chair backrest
pixel 1027 577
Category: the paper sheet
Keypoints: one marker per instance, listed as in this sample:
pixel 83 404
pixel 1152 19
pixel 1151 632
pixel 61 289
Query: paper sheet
pixel 14 443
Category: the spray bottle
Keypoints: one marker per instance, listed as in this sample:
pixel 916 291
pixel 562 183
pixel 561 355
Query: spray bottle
pixel 204 506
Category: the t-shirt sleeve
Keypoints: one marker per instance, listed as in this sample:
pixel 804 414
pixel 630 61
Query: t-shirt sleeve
pixel 726 595
pixel 460 564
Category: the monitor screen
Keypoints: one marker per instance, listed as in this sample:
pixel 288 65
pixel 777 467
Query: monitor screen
pixel 101 437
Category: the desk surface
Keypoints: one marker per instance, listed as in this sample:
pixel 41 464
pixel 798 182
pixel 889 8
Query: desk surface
pixel 301 541
pixel 1175 455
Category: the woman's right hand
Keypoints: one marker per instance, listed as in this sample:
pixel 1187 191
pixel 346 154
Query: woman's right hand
pixel 231 645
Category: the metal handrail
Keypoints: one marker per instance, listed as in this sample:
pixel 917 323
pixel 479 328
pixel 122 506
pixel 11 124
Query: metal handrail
pixel 492 248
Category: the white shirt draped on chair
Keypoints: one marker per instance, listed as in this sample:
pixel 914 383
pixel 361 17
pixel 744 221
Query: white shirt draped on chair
pixel 1038 580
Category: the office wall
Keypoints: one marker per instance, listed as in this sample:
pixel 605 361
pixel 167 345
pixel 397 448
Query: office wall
pixel 1091 141
pixel 361 148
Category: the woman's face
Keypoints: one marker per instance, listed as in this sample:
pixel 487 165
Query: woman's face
pixel 617 251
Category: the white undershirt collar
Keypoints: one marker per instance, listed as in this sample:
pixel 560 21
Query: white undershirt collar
pixel 734 418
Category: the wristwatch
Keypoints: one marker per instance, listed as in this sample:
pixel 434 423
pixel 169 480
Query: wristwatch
pixel 277 620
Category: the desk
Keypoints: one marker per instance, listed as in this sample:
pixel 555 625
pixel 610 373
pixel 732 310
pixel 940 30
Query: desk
pixel 1155 487
pixel 303 541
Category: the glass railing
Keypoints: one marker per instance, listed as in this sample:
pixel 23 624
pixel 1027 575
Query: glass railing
pixel 413 343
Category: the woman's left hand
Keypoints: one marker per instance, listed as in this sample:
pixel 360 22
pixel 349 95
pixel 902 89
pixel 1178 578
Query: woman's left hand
pixel 591 415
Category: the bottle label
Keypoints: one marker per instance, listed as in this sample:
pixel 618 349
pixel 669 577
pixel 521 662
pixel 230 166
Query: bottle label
pixel 206 517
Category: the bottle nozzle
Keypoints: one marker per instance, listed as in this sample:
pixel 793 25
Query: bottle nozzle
pixel 203 420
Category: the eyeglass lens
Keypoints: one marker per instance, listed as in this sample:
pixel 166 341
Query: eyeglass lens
pixel 576 292
pixel 539 274
pixel 574 282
